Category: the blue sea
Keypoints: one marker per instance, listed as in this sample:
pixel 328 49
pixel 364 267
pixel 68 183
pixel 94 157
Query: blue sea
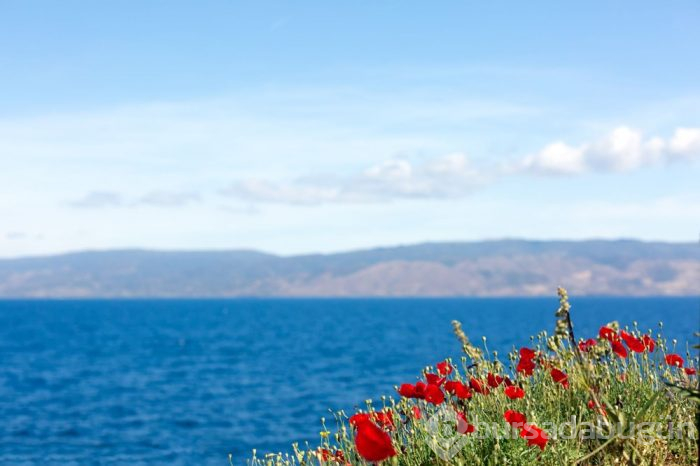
pixel 186 382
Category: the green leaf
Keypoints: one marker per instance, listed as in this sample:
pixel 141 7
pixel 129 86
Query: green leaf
pixel 650 402
pixel 690 393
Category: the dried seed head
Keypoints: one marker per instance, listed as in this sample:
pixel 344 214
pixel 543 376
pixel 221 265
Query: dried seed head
pixel 470 350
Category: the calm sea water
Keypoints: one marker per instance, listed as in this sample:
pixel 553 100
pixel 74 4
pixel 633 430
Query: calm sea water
pixel 188 381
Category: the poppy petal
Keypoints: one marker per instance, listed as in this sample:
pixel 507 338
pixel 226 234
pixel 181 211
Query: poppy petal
pixel 434 395
pixel 534 436
pixel 373 443
pixel 632 342
pixel 515 418
pixel 527 353
pixel 407 390
pixel 494 380
pixel 606 333
pixel 619 349
pixel 514 392
pixel 478 387
pixel 444 368
pixel 463 426
pixel 560 377
pixel 674 360
pixel 434 379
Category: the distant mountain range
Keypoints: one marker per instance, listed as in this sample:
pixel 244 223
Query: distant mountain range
pixel 487 268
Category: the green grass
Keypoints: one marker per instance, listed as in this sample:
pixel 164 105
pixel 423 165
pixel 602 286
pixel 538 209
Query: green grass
pixel 639 388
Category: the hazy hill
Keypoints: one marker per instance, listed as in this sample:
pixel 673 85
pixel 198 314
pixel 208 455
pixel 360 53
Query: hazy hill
pixel 489 268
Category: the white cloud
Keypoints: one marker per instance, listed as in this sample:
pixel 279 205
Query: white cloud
pixel 452 175
pixel 557 157
pixel 623 150
pixel 685 143
pixel 448 176
pixel 98 200
pixel 106 199
pixel 167 198
pixel 293 193
pixel 16 235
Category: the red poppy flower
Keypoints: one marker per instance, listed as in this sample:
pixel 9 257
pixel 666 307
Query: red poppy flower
pixel 633 343
pixel 586 346
pixel 560 377
pixel 420 390
pixel 407 390
pixel 534 436
pixel 358 418
pixel 525 366
pixel 433 394
pixel 494 380
pixel 591 405
pixel 324 454
pixel 507 382
pixel 515 418
pixel 527 353
pixel 649 343
pixel 373 443
pixel 434 379
pixel 606 333
pixel 458 389
pixel 514 392
pixel 690 370
pixel 463 426
pixel 384 419
pixel 444 368
pixel 416 412
pixel 618 349
pixel 674 360
pixel 478 387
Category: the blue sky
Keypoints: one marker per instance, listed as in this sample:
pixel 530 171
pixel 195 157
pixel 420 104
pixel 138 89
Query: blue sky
pixel 322 126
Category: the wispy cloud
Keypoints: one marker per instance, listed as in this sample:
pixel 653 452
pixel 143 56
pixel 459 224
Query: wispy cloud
pixel 21 236
pixel 442 177
pixel 98 200
pixel 167 198
pixel 107 199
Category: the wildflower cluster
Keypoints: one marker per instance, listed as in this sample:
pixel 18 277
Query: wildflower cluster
pixel 498 413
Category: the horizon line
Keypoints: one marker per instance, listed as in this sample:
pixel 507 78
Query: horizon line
pixel 342 251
